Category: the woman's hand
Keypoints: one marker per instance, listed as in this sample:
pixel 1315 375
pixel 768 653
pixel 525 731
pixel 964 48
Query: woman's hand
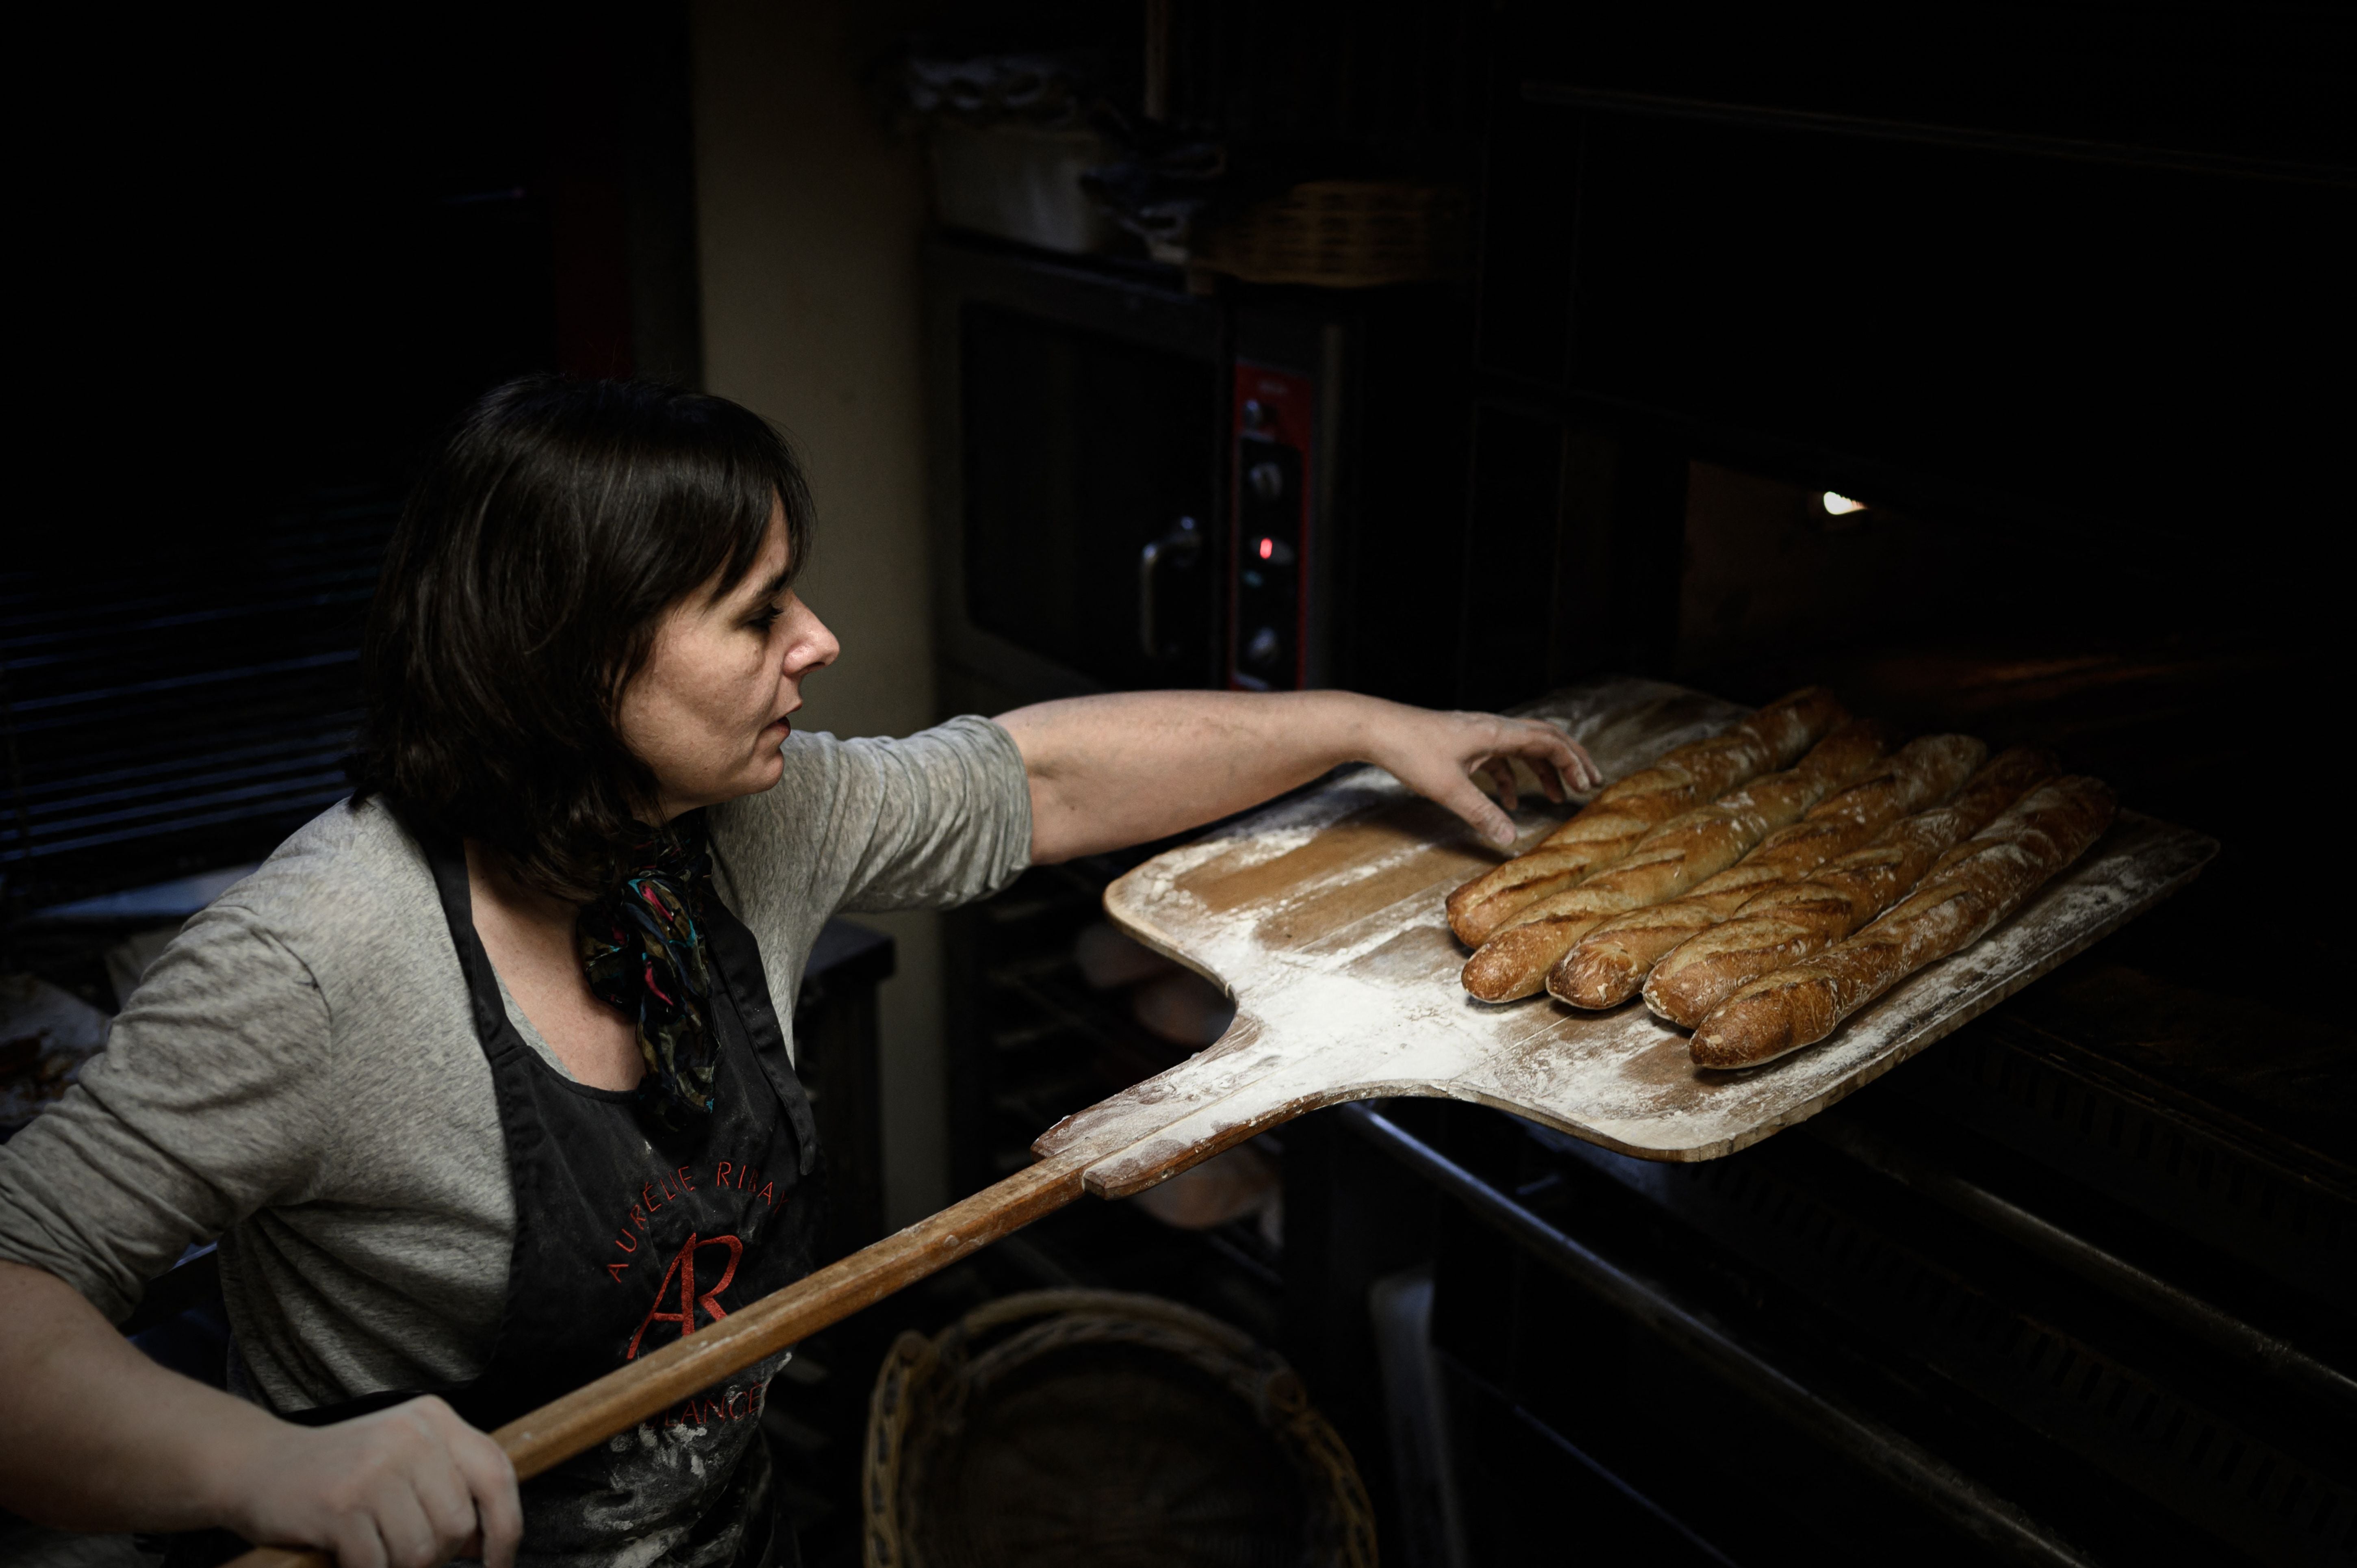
pixel 97 1438
pixel 1438 755
pixel 411 1486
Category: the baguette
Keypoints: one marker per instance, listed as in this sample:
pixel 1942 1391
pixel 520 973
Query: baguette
pixel 1611 825
pixel 1786 924
pixel 2002 866
pixel 1515 960
pixel 1612 960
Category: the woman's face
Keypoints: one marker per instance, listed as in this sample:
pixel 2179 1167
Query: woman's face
pixel 709 711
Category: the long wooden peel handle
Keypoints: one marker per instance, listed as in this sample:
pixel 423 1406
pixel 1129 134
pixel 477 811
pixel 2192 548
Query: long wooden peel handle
pixel 631 1393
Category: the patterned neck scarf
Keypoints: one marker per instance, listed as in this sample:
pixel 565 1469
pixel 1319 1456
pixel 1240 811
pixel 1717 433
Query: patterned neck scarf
pixel 644 953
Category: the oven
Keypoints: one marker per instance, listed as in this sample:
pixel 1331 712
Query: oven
pixel 1136 485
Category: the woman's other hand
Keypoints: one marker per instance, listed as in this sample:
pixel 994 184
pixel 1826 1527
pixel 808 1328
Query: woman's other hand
pixel 1438 755
pixel 411 1486
pixel 97 1438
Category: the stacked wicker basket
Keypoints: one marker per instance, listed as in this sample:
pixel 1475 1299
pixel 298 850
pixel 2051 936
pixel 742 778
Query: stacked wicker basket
pixel 1344 233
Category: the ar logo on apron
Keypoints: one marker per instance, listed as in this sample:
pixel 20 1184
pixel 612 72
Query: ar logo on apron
pixel 682 1268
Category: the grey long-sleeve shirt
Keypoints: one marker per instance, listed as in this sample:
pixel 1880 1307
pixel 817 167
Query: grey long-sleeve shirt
pixel 298 1075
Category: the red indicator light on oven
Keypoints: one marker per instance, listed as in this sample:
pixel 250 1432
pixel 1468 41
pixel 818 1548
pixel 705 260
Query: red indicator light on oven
pixel 1267 548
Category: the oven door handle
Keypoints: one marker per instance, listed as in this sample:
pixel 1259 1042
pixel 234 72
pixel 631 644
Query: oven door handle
pixel 1185 541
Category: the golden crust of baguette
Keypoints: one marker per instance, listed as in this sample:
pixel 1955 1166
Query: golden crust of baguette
pixel 1786 923
pixel 2002 865
pixel 1624 811
pixel 1710 838
pixel 1670 859
pixel 1611 962
pixel 1477 909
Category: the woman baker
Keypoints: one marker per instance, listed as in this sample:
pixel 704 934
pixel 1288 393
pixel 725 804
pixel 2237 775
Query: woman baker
pixel 483 1080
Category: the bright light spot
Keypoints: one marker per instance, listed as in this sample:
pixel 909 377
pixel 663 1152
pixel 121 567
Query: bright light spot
pixel 1267 548
pixel 1840 505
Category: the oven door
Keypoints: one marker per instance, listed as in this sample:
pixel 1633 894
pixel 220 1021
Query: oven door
pixel 1084 538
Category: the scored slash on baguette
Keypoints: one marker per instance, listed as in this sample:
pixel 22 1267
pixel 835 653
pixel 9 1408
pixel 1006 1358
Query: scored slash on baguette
pixel 1711 839
pixel 1605 829
pixel 1994 875
pixel 1611 962
pixel 1785 924
pixel 1516 961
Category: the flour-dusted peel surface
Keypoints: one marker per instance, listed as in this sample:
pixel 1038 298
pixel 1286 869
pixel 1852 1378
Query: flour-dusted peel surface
pixel 1322 915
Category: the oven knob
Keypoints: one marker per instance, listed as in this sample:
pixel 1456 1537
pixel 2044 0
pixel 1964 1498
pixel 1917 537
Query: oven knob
pixel 1256 414
pixel 1262 648
pixel 1267 481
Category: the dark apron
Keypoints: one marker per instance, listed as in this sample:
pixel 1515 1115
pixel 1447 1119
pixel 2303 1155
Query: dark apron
pixel 626 1238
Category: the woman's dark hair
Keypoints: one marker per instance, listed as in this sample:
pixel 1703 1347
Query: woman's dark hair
pixel 522 591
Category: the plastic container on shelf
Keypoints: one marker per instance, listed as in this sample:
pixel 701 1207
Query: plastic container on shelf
pixel 1020 182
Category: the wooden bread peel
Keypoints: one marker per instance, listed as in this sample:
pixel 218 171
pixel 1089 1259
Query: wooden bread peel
pixel 1322 915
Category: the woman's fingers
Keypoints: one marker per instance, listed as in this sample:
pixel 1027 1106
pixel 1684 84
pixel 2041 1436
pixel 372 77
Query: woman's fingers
pixel 1557 761
pixel 1552 778
pixel 1501 774
pixel 410 1538
pixel 1551 755
pixel 1439 756
pixel 411 1486
pixel 1464 798
pixel 1566 758
pixel 491 1482
pixel 471 1496
pixel 441 1483
pixel 356 1543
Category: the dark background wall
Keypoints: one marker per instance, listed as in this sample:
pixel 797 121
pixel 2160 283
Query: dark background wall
pixel 269 264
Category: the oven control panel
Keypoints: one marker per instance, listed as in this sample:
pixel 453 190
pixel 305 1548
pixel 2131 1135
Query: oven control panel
pixel 1271 462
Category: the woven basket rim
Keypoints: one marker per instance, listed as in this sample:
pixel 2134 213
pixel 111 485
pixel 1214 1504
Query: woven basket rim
pixel 914 1367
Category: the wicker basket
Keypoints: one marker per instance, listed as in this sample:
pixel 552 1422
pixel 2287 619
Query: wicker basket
pixel 1091 1427
pixel 1345 234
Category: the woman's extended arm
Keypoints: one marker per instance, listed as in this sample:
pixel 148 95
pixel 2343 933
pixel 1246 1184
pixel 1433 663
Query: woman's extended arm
pixel 100 1437
pixel 1133 767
